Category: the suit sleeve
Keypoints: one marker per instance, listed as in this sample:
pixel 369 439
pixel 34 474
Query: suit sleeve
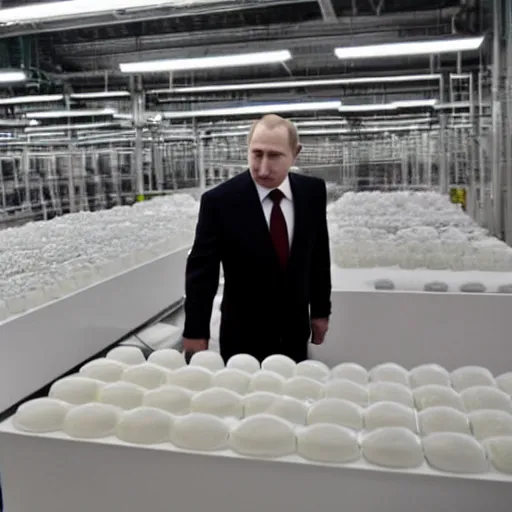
pixel 320 300
pixel 202 273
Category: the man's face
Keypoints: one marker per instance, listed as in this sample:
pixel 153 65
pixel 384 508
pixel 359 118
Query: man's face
pixel 270 155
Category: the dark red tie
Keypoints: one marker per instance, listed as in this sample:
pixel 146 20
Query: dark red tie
pixel 278 228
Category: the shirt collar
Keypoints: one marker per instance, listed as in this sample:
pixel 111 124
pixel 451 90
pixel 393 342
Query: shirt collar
pixel 285 188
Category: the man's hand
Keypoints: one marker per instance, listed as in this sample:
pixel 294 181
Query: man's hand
pixel 191 346
pixel 319 328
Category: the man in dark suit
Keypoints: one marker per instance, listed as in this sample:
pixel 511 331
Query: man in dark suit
pixel 268 228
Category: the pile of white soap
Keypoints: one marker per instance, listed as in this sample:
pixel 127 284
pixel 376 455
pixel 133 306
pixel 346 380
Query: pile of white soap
pixel 42 261
pixel 411 230
pixel 458 422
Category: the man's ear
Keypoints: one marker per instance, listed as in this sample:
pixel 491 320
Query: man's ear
pixel 298 150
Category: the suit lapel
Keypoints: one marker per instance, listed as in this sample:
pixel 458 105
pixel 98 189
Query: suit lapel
pixel 299 207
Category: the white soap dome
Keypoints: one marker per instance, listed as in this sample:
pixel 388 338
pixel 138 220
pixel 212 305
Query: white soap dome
pixel 194 378
pixel 393 447
pixel 265 380
pixel 235 380
pixel 328 443
pixel 455 453
pixel 435 396
pixel 219 402
pixel 106 370
pixel 263 435
pixel 75 390
pixel 91 421
pixel 168 358
pixel 172 399
pixel 244 362
pixel 200 432
pixel 144 425
pixel 504 382
pixel 389 372
pixel 290 409
pixel 278 363
pixel 428 374
pixel 127 355
pixel 347 390
pixel 390 392
pixel 351 371
pixel 41 415
pixel 470 376
pixel 125 395
pixel 258 402
pixel 443 419
pixel 499 450
pixel 303 388
pixel 336 411
pixel 486 397
pixel 207 359
pixel 146 375
pixel 315 370
pixel 490 423
pixel 389 414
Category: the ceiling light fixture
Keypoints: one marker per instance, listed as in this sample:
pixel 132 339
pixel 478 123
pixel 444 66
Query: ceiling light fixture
pixel 12 76
pixel 289 84
pixel 52 10
pixel 256 109
pixel 55 114
pixel 410 48
pixel 220 61
pixel 395 105
pixel 22 100
pixel 99 95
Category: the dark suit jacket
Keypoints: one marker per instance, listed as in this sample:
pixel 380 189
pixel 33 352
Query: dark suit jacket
pixel 265 310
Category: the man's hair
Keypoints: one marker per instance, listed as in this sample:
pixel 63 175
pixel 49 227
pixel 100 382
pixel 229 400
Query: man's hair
pixel 274 121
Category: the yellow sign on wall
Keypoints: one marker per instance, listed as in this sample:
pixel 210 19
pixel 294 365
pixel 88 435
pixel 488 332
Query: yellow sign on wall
pixel 458 196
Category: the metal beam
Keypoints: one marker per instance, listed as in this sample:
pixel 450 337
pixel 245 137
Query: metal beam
pixel 327 9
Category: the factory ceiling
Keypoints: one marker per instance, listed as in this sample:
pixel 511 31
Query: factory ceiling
pixel 85 53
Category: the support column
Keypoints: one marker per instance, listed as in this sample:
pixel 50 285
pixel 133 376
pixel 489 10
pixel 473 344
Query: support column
pixel 138 120
pixel 497 183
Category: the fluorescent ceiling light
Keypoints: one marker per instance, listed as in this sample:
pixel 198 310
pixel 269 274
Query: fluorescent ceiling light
pixel 221 61
pixel 285 84
pixel 356 131
pixel 409 48
pixel 55 114
pixel 328 122
pixel 256 109
pixel 331 131
pixel 47 11
pixel 83 126
pixel 8 77
pixel 20 100
pixel 99 95
pixel 395 105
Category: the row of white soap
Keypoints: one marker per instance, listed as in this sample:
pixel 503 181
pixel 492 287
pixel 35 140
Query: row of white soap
pixel 486 421
pixel 151 376
pixel 459 379
pixel 21 302
pixel 269 436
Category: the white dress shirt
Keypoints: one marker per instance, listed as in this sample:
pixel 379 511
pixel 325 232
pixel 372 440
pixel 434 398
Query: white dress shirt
pixel 286 205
